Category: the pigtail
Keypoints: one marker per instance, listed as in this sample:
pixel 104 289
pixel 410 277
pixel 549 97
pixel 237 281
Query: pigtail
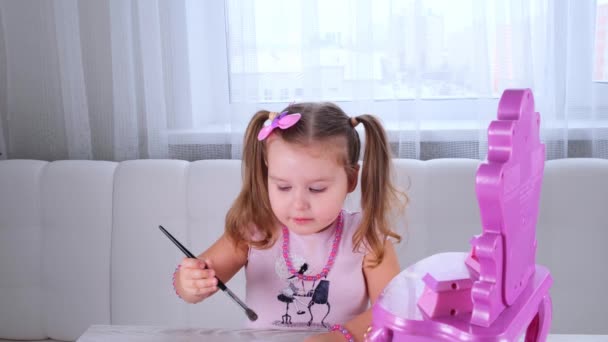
pixel 251 209
pixel 378 195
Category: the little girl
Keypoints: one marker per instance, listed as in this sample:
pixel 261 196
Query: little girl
pixel 308 262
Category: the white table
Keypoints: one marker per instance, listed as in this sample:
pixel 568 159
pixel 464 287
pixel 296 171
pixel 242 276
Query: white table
pixel 117 333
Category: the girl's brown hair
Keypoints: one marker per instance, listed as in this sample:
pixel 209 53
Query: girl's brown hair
pixel 320 122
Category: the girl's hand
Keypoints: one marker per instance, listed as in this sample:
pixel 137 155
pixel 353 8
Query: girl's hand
pixel 196 279
pixel 333 336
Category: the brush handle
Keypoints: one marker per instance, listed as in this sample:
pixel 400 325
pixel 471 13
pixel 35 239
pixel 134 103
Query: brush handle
pixel 220 284
pixel 250 313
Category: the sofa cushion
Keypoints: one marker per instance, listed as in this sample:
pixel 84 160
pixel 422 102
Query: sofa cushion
pixel 20 250
pixel 77 226
pixel 147 193
pixel 212 186
pixel 572 234
pixel 80 245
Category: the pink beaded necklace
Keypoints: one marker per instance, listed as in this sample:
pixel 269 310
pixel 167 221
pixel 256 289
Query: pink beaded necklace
pixel 330 259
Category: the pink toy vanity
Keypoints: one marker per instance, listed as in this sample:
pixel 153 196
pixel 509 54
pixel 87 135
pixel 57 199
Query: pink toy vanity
pixel 496 292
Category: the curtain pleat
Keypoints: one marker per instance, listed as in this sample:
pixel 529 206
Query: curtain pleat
pixel 131 79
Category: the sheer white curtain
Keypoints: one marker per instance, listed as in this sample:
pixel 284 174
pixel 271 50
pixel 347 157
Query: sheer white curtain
pixel 119 79
pixel 103 79
pixel 433 70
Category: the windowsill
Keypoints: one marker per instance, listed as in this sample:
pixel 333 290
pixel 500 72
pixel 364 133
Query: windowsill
pixel 430 130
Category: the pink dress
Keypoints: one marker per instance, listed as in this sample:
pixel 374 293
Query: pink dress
pixel 283 301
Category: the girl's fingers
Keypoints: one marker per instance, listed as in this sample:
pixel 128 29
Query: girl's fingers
pixel 206 274
pixel 189 262
pixel 194 263
pixel 198 277
pixel 196 268
pixel 201 274
pixel 206 291
pixel 201 291
pixel 204 283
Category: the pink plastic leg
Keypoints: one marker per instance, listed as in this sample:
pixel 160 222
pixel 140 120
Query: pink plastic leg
pixel 539 327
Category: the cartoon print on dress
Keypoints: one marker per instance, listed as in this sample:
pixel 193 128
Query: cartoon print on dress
pixel 303 294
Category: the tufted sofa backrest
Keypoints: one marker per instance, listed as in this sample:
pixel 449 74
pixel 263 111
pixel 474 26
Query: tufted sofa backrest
pixel 79 242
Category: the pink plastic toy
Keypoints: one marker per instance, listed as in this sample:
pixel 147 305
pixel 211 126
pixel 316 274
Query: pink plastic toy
pixel 496 292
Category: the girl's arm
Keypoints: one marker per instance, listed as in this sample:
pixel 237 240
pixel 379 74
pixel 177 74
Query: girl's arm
pixel 194 283
pixel 227 258
pixel 376 279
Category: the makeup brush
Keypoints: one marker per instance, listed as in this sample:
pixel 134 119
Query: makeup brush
pixel 250 313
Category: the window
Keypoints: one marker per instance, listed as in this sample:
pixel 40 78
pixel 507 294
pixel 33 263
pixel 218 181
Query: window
pixel 422 66
pixel 284 94
pixel 267 94
pixel 387 49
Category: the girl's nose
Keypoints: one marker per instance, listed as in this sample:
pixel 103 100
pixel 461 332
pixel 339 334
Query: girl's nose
pixel 301 200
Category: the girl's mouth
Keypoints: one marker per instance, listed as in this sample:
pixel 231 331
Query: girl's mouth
pixel 302 220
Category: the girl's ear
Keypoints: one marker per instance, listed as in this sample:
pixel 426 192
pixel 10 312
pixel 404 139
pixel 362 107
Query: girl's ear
pixel 353 178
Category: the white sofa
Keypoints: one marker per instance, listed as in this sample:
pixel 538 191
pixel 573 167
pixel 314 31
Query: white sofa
pixel 79 242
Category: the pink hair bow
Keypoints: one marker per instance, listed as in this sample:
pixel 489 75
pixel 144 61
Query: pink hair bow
pixel 282 121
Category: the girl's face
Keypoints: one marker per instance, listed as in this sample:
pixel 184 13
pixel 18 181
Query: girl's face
pixel 307 185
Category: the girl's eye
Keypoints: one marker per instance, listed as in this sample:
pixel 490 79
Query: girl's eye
pixel 283 188
pixel 317 190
